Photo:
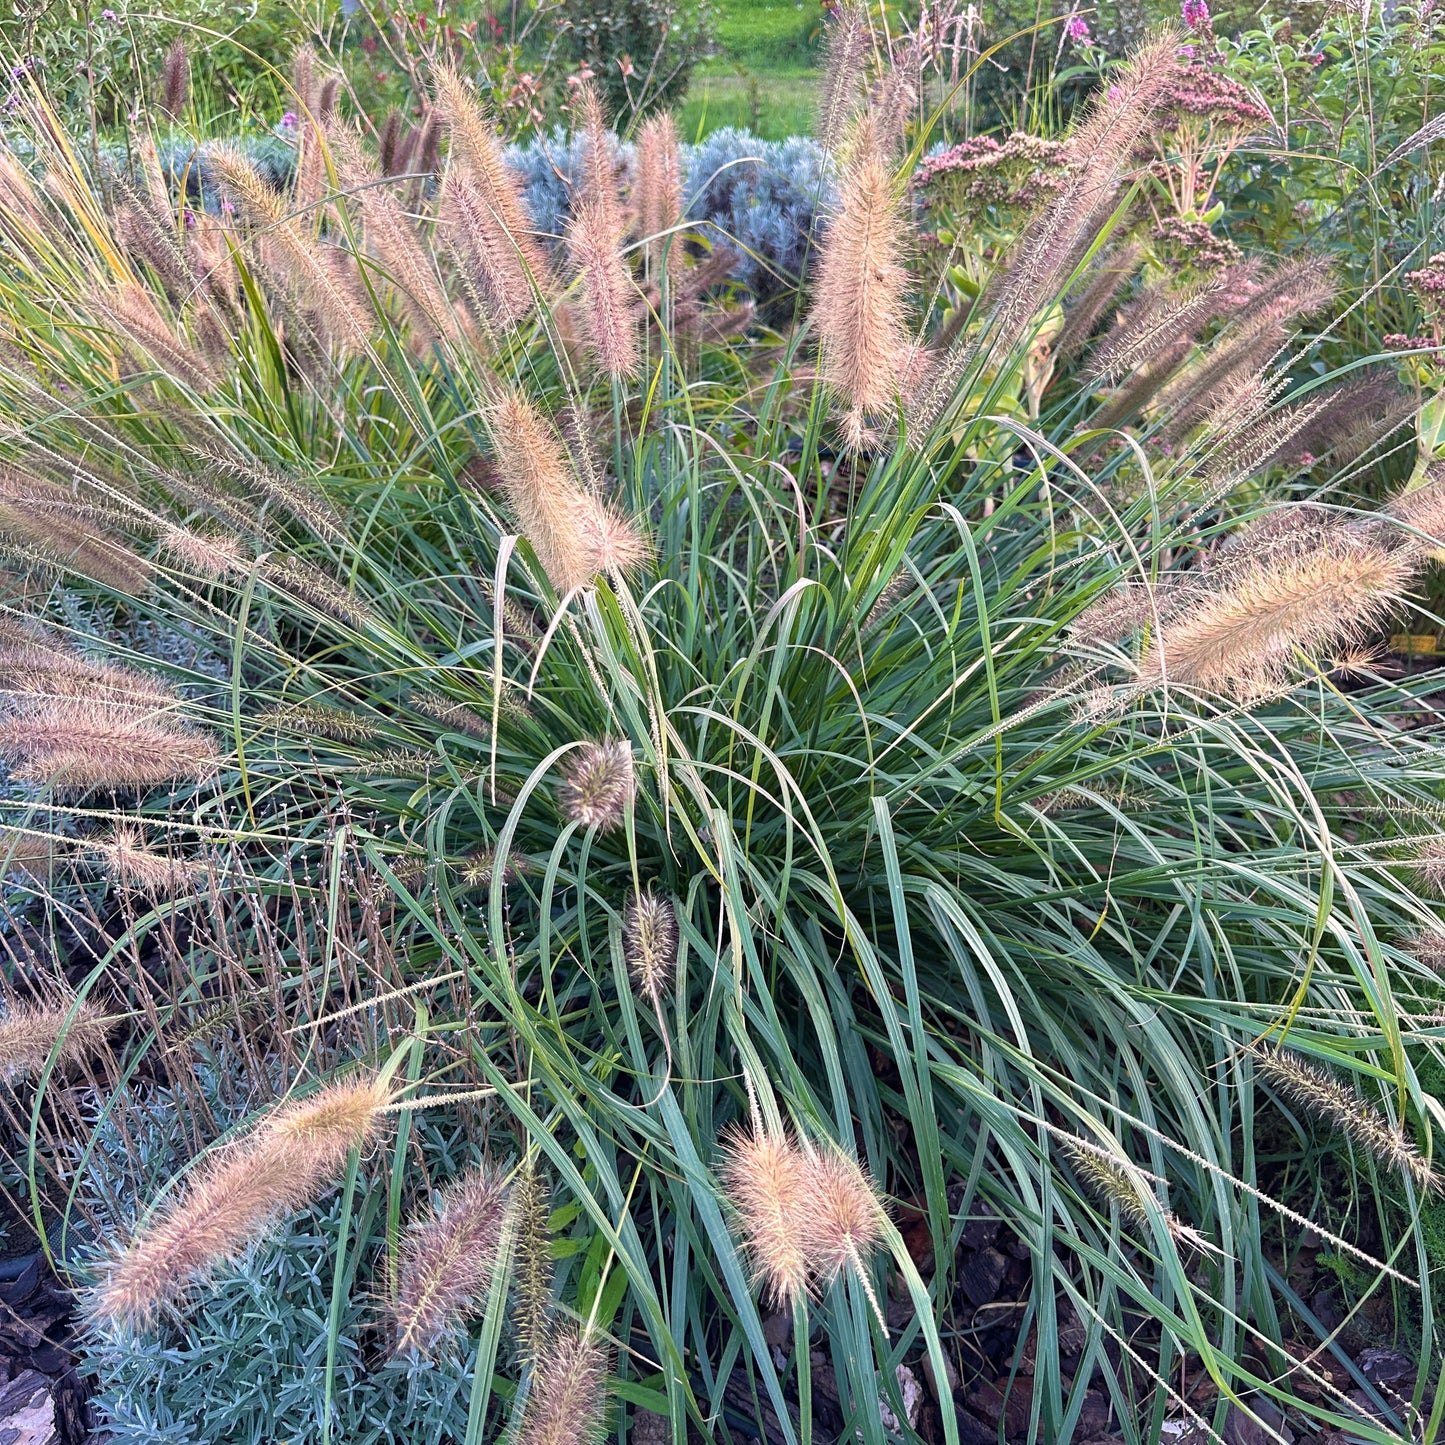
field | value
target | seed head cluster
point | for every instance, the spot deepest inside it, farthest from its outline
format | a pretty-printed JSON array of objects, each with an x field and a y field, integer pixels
[
  {"x": 31, "y": 1033},
  {"x": 805, "y": 1216},
  {"x": 649, "y": 935},
  {"x": 598, "y": 785}
]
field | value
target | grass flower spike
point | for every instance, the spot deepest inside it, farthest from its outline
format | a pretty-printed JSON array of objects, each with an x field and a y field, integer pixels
[
  {"x": 765, "y": 1182},
  {"x": 448, "y": 1258},
  {"x": 235, "y": 1196},
  {"x": 599, "y": 784},
  {"x": 32, "y": 1033}
]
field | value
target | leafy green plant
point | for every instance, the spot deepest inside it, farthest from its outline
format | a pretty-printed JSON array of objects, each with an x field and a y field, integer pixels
[{"x": 860, "y": 762}]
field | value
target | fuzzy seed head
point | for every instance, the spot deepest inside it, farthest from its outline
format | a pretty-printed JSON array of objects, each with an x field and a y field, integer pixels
[
  {"x": 565, "y": 1406},
  {"x": 479, "y": 867},
  {"x": 554, "y": 513},
  {"x": 861, "y": 288},
  {"x": 31, "y": 1033},
  {"x": 134, "y": 864},
  {"x": 1243, "y": 638},
  {"x": 211, "y": 555},
  {"x": 235, "y": 1196},
  {"x": 657, "y": 195},
  {"x": 765, "y": 1180},
  {"x": 599, "y": 784},
  {"x": 649, "y": 936},
  {"x": 28, "y": 855},
  {"x": 73, "y": 743},
  {"x": 842, "y": 1216},
  {"x": 1318, "y": 1093},
  {"x": 448, "y": 1258},
  {"x": 1106, "y": 1180}
]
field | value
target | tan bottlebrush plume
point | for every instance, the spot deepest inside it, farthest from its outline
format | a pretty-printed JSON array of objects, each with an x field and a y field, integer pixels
[
  {"x": 1318, "y": 1093},
  {"x": 894, "y": 100},
  {"x": 321, "y": 591},
  {"x": 315, "y": 720},
  {"x": 565, "y": 1406},
  {"x": 649, "y": 940},
  {"x": 657, "y": 194},
  {"x": 764, "y": 1179},
  {"x": 82, "y": 744},
  {"x": 532, "y": 1272},
  {"x": 1428, "y": 865},
  {"x": 317, "y": 275},
  {"x": 268, "y": 487},
  {"x": 38, "y": 667},
  {"x": 1256, "y": 447},
  {"x": 211, "y": 555},
  {"x": 574, "y": 534},
  {"x": 151, "y": 236},
  {"x": 1421, "y": 510},
  {"x": 594, "y": 248},
  {"x": 598, "y": 785},
  {"x": 482, "y": 207},
  {"x": 1149, "y": 326},
  {"x": 1121, "y": 610},
  {"x": 862, "y": 285},
  {"x": 32, "y": 1033},
  {"x": 1138, "y": 391},
  {"x": 236, "y": 1195},
  {"x": 544, "y": 496},
  {"x": 615, "y": 543},
  {"x": 1208, "y": 389},
  {"x": 175, "y": 85},
  {"x": 1427, "y": 947},
  {"x": 46, "y": 526},
  {"x": 848, "y": 40},
  {"x": 447, "y": 1260},
  {"x": 1246, "y": 636},
  {"x": 129, "y": 309},
  {"x": 392, "y": 238},
  {"x": 134, "y": 864},
  {"x": 26, "y": 854},
  {"x": 842, "y": 1221},
  {"x": 1108, "y": 277},
  {"x": 1360, "y": 413}
]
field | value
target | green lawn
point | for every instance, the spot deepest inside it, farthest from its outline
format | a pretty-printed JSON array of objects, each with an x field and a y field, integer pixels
[{"x": 763, "y": 75}]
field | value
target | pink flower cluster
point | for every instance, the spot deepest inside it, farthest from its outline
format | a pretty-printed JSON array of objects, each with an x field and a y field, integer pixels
[
  {"x": 1203, "y": 93},
  {"x": 1020, "y": 171}
]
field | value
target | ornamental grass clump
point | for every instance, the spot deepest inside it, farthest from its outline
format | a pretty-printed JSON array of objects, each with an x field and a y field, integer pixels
[{"x": 969, "y": 683}]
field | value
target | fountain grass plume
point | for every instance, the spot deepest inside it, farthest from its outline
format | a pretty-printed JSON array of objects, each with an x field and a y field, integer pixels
[
  {"x": 848, "y": 42},
  {"x": 82, "y": 744},
  {"x": 657, "y": 194},
  {"x": 649, "y": 937},
  {"x": 594, "y": 246},
  {"x": 70, "y": 1032},
  {"x": 1245, "y": 636},
  {"x": 130, "y": 859},
  {"x": 235, "y": 1197},
  {"x": 598, "y": 784},
  {"x": 862, "y": 283},
  {"x": 448, "y": 1258},
  {"x": 1322, "y": 1096},
  {"x": 764, "y": 1181},
  {"x": 566, "y": 1403}
]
